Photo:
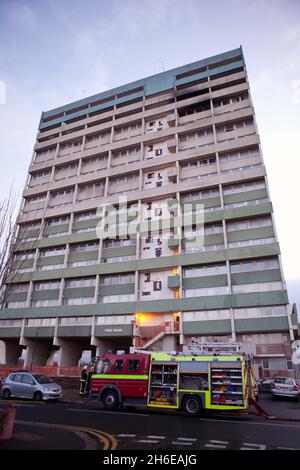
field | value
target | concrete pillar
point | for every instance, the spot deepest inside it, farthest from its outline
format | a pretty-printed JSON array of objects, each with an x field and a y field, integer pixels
[
  {"x": 38, "y": 352},
  {"x": 103, "y": 346},
  {"x": 10, "y": 351},
  {"x": 70, "y": 353}
]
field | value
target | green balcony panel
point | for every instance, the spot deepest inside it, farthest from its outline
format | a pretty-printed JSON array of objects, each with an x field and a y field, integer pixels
[
  {"x": 268, "y": 275},
  {"x": 204, "y": 281},
  {"x": 259, "y": 299},
  {"x": 173, "y": 242},
  {"x": 207, "y": 327},
  {"x": 15, "y": 297},
  {"x": 10, "y": 332},
  {"x": 247, "y": 211},
  {"x": 174, "y": 282},
  {"x": 88, "y": 255},
  {"x": 215, "y": 239},
  {"x": 71, "y": 238},
  {"x": 102, "y": 331},
  {"x": 28, "y": 233},
  {"x": 119, "y": 251},
  {"x": 85, "y": 224},
  {"x": 26, "y": 263},
  {"x": 77, "y": 292},
  {"x": 115, "y": 289},
  {"x": 78, "y": 331},
  {"x": 246, "y": 196},
  {"x": 56, "y": 229},
  {"x": 259, "y": 325},
  {"x": 41, "y": 332},
  {"x": 45, "y": 294},
  {"x": 251, "y": 234},
  {"x": 48, "y": 260}
]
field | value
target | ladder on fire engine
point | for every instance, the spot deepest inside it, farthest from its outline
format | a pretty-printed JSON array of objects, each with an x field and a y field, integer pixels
[{"x": 200, "y": 348}]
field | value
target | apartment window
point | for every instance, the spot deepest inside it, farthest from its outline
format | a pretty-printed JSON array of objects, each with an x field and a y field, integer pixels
[
  {"x": 157, "y": 285},
  {"x": 84, "y": 247},
  {"x": 203, "y": 271},
  {"x": 257, "y": 287},
  {"x": 106, "y": 299},
  {"x": 206, "y": 291},
  {"x": 147, "y": 277},
  {"x": 254, "y": 265},
  {"x": 150, "y": 148},
  {"x": 46, "y": 285},
  {"x": 80, "y": 282},
  {"x": 158, "y": 152},
  {"x": 79, "y": 301},
  {"x": 242, "y": 187},
  {"x": 53, "y": 251},
  {"x": 58, "y": 221}
]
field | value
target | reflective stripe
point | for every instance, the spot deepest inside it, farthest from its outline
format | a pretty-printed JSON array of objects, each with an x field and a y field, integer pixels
[
  {"x": 108, "y": 376},
  {"x": 82, "y": 380}
]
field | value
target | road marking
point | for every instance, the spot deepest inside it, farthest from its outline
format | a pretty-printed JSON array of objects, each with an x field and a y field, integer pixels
[
  {"x": 255, "y": 423},
  {"x": 126, "y": 435},
  {"x": 186, "y": 439},
  {"x": 218, "y": 442},
  {"x": 108, "y": 440},
  {"x": 287, "y": 448},
  {"x": 182, "y": 443},
  {"x": 156, "y": 437},
  {"x": 215, "y": 446},
  {"x": 106, "y": 412},
  {"x": 250, "y": 446},
  {"x": 147, "y": 441}
]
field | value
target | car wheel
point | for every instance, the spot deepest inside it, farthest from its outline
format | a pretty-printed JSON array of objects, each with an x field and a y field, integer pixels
[
  {"x": 6, "y": 394},
  {"x": 38, "y": 396},
  {"x": 192, "y": 406},
  {"x": 110, "y": 400}
]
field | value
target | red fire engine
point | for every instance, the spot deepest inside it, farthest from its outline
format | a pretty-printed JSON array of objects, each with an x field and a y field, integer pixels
[{"x": 174, "y": 381}]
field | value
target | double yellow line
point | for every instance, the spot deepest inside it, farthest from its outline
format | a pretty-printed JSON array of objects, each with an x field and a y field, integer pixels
[{"x": 109, "y": 442}]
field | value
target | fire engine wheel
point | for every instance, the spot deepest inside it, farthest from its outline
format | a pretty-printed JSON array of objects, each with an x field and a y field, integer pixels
[
  {"x": 110, "y": 400},
  {"x": 192, "y": 406}
]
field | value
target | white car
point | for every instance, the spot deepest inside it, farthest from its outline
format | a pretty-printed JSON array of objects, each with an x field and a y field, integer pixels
[
  {"x": 26, "y": 385},
  {"x": 285, "y": 387}
]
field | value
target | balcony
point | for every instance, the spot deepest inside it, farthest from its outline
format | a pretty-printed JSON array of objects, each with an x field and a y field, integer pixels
[
  {"x": 172, "y": 145},
  {"x": 171, "y": 120},
  {"x": 173, "y": 243},
  {"x": 172, "y": 175},
  {"x": 173, "y": 282}
]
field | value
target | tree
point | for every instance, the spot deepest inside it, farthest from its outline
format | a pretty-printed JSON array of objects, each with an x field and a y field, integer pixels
[{"x": 7, "y": 242}]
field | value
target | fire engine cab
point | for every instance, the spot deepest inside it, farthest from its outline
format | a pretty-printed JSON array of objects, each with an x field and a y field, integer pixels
[{"x": 191, "y": 383}]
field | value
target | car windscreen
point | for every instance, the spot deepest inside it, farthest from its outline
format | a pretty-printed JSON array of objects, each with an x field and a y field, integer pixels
[{"x": 42, "y": 379}]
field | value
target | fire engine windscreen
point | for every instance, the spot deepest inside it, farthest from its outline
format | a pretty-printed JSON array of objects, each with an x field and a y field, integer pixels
[{"x": 103, "y": 366}]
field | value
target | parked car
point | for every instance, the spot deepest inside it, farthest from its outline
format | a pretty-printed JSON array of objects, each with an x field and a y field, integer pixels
[
  {"x": 285, "y": 387},
  {"x": 265, "y": 385},
  {"x": 26, "y": 385}
]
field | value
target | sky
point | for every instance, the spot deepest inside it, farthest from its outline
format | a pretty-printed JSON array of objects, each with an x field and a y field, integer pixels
[{"x": 53, "y": 52}]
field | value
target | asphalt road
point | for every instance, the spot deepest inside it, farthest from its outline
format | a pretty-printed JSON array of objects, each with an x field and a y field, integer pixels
[{"x": 134, "y": 429}]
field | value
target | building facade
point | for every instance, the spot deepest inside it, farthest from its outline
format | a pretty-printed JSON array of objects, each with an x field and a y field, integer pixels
[{"x": 183, "y": 137}]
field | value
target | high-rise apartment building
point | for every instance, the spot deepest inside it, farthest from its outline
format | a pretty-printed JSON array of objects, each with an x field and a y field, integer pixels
[{"x": 183, "y": 136}]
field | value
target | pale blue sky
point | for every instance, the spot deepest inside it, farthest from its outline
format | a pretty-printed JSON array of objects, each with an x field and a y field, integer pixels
[{"x": 56, "y": 51}]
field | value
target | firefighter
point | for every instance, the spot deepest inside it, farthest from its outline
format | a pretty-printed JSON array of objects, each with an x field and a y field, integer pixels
[
  {"x": 88, "y": 381},
  {"x": 83, "y": 380}
]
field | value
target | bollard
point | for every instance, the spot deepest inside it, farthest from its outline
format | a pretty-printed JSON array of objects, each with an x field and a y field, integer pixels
[{"x": 7, "y": 419}]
